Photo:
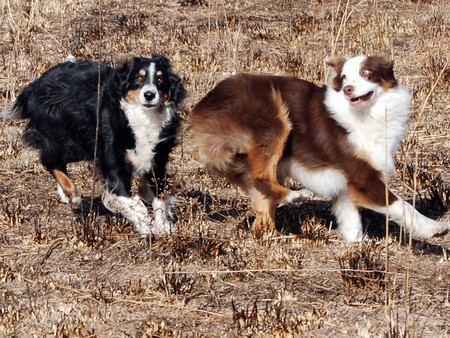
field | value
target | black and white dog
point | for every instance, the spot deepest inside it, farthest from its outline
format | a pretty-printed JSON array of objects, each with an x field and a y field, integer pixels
[{"x": 136, "y": 106}]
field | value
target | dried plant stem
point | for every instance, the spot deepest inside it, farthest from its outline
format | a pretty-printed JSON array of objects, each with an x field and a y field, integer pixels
[
  {"x": 424, "y": 104},
  {"x": 97, "y": 112}
]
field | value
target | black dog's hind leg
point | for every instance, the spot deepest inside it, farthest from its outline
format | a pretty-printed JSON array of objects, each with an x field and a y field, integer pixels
[{"x": 65, "y": 187}]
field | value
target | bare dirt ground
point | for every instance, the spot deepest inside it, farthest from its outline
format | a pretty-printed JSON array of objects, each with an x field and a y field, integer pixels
[{"x": 64, "y": 274}]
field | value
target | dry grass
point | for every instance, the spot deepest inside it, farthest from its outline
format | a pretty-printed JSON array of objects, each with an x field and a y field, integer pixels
[{"x": 67, "y": 273}]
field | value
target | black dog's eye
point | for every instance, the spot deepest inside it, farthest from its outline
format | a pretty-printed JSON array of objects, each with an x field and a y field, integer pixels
[
  {"x": 159, "y": 77},
  {"x": 139, "y": 78}
]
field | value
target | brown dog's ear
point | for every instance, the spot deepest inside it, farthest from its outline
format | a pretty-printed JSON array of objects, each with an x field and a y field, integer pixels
[
  {"x": 336, "y": 62},
  {"x": 382, "y": 71}
]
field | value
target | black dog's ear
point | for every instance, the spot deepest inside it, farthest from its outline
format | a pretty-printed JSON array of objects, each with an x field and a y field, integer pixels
[
  {"x": 177, "y": 90},
  {"x": 126, "y": 67}
]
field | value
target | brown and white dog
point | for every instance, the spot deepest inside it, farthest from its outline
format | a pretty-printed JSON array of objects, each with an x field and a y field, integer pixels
[{"x": 338, "y": 141}]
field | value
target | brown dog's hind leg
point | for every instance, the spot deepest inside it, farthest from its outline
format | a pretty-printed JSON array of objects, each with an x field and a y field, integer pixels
[
  {"x": 263, "y": 155},
  {"x": 266, "y": 150}
]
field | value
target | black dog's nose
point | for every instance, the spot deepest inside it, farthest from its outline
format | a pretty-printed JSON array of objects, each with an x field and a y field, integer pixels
[{"x": 149, "y": 96}]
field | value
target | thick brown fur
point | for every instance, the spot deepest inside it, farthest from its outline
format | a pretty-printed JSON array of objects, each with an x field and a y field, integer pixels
[
  {"x": 256, "y": 130},
  {"x": 245, "y": 142}
]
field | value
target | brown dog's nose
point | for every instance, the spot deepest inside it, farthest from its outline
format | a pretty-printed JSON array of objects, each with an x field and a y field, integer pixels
[{"x": 348, "y": 90}]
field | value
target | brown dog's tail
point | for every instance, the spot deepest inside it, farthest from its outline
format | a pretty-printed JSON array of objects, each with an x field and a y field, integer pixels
[{"x": 222, "y": 152}]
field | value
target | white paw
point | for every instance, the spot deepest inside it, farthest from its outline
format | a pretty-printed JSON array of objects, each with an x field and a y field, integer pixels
[
  {"x": 162, "y": 218},
  {"x": 298, "y": 194},
  {"x": 143, "y": 228},
  {"x": 62, "y": 195},
  {"x": 162, "y": 226},
  {"x": 132, "y": 208},
  {"x": 76, "y": 200},
  {"x": 351, "y": 234},
  {"x": 306, "y": 194},
  {"x": 430, "y": 228},
  {"x": 64, "y": 198}
]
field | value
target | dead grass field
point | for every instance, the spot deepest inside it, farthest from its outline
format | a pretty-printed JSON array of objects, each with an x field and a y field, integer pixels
[{"x": 64, "y": 274}]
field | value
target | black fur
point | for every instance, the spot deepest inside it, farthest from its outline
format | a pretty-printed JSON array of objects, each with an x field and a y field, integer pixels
[{"x": 62, "y": 107}]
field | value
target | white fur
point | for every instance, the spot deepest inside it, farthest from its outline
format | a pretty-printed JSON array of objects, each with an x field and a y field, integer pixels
[
  {"x": 161, "y": 211},
  {"x": 324, "y": 182},
  {"x": 64, "y": 198},
  {"x": 131, "y": 208},
  {"x": 61, "y": 194},
  {"x": 376, "y": 127},
  {"x": 331, "y": 183},
  {"x": 71, "y": 58},
  {"x": 421, "y": 227},
  {"x": 146, "y": 124},
  {"x": 293, "y": 195},
  {"x": 348, "y": 219},
  {"x": 150, "y": 87},
  {"x": 146, "y": 119}
]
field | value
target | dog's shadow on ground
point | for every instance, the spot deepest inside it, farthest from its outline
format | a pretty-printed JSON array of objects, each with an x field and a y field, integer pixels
[
  {"x": 89, "y": 206},
  {"x": 294, "y": 219}
]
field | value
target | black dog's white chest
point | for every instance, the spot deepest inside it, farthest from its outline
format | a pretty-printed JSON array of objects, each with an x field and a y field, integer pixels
[{"x": 146, "y": 125}]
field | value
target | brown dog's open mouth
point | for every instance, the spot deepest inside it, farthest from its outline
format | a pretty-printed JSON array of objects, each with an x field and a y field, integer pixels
[{"x": 357, "y": 101}]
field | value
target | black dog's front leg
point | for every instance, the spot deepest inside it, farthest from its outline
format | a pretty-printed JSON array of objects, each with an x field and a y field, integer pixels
[
  {"x": 152, "y": 189},
  {"x": 117, "y": 196}
]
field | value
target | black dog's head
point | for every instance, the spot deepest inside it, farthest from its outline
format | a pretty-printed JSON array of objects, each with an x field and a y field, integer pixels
[{"x": 150, "y": 82}]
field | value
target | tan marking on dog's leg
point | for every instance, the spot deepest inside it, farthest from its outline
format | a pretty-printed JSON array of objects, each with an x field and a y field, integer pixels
[
  {"x": 67, "y": 186},
  {"x": 265, "y": 152},
  {"x": 263, "y": 169}
]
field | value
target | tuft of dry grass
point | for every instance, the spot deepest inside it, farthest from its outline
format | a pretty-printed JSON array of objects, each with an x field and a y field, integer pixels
[{"x": 84, "y": 273}]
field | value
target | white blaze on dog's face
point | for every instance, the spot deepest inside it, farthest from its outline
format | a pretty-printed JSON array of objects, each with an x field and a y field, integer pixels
[
  {"x": 148, "y": 85},
  {"x": 362, "y": 78},
  {"x": 149, "y": 95}
]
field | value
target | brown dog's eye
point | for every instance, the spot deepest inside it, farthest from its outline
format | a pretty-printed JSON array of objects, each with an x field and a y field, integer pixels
[
  {"x": 343, "y": 77},
  {"x": 366, "y": 73}
]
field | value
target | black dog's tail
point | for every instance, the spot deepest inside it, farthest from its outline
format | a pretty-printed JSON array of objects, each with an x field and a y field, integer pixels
[
  {"x": 19, "y": 109},
  {"x": 11, "y": 113}
]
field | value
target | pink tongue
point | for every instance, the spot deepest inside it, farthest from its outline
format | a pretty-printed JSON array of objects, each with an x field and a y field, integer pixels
[{"x": 356, "y": 103}]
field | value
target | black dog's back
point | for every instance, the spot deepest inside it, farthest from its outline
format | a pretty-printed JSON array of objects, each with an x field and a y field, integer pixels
[{"x": 62, "y": 109}]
